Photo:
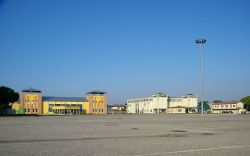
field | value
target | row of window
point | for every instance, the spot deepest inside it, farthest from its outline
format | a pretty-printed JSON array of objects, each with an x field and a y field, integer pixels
[
  {"x": 149, "y": 111},
  {"x": 98, "y": 101},
  {"x": 98, "y": 105},
  {"x": 79, "y": 105},
  {"x": 27, "y": 98},
  {"x": 145, "y": 104},
  {"x": 31, "y": 110},
  {"x": 224, "y": 106},
  {"x": 30, "y": 101},
  {"x": 97, "y": 110},
  {"x": 30, "y": 106},
  {"x": 176, "y": 100},
  {"x": 140, "y": 100}
]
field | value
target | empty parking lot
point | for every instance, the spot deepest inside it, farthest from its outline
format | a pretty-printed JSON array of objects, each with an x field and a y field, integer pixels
[{"x": 131, "y": 135}]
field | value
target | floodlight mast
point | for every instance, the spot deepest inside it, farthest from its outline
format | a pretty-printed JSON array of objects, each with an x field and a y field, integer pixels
[{"x": 200, "y": 42}]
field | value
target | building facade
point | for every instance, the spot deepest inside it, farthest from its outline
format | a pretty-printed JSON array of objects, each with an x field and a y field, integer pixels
[
  {"x": 97, "y": 102},
  {"x": 156, "y": 103},
  {"x": 177, "y": 110},
  {"x": 31, "y": 101},
  {"x": 228, "y": 107},
  {"x": 160, "y": 103},
  {"x": 64, "y": 105},
  {"x": 188, "y": 102}
]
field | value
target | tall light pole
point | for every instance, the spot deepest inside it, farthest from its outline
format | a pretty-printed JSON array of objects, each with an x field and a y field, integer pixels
[{"x": 200, "y": 42}]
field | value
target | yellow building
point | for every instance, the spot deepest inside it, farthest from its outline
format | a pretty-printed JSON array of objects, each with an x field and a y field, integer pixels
[
  {"x": 97, "y": 102},
  {"x": 31, "y": 101},
  {"x": 64, "y": 105}
]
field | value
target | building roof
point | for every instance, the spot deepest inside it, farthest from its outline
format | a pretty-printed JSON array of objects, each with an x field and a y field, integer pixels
[
  {"x": 96, "y": 92},
  {"x": 223, "y": 103},
  {"x": 159, "y": 95},
  {"x": 31, "y": 90},
  {"x": 67, "y": 99},
  {"x": 189, "y": 96}
]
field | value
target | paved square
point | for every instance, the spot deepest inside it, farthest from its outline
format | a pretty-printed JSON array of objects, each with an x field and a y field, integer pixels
[{"x": 130, "y": 135}]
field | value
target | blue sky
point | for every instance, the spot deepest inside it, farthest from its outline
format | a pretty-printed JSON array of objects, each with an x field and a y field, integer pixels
[{"x": 128, "y": 48}]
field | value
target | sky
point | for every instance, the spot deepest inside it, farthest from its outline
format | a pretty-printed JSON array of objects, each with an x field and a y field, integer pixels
[{"x": 128, "y": 48}]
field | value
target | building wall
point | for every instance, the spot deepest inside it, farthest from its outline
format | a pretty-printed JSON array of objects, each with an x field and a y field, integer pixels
[
  {"x": 159, "y": 101},
  {"x": 48, "y": 106},
  {"x": 177, "y": 110},
  {"x": 31, "y": 102},
  {"x": 183, "y": 102},
  {"x": 147, "y": 105},
  {"x": 234, "y": 111},
  {"x": 230, "y": 107},
  {"x": 97, "y": 104}
]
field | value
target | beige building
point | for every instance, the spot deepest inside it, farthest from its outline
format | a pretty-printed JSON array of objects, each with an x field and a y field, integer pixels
[
  {"x": 177, "y": 110},
  {"x": 228, "y": 107},
  {"x": 97, "y": 103},
  {"x": 184, "y": 104},
  {"x": 162, "y": 103},
  {"x": 31, "y": 101},
  {"x": 157, "y": 103}
]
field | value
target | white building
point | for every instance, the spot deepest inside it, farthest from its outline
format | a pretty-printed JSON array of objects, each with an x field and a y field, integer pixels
[
  {"x": 162, "y": 103},
  {"x": 185, "y": 101},
  {"x": 228, "y": 107},
  {"x": 184, "y": 104},
  {"x": 154, "y": 104}
]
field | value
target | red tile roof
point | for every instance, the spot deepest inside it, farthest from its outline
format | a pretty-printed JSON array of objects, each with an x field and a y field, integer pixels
[{"x": 223, "y": 103}]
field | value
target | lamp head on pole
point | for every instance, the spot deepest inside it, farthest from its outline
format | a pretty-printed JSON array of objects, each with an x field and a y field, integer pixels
[{"x": 200, "y": 41}]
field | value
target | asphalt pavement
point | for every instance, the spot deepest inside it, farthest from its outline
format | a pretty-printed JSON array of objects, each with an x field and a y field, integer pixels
[{"x": 126, "y": 135}]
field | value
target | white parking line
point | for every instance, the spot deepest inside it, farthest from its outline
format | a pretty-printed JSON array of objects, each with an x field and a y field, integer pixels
[{"x": 194, "y": 150}]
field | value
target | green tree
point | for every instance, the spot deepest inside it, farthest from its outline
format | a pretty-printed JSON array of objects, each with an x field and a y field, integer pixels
[
  {"x": 206, "y": 106},
  {"x": 7, "y": 95},
  {"x": 246, "y": 102}
]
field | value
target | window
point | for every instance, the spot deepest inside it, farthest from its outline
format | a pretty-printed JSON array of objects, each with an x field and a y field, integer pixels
[
  {"x": 179, "y": 110},
  {"x": 50, "y": 107}
]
